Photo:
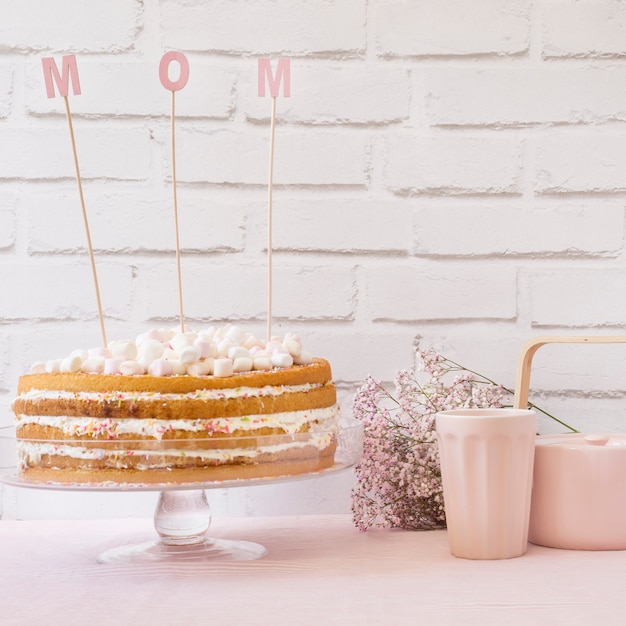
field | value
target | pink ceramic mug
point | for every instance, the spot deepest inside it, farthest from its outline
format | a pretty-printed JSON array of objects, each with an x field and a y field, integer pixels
[{"x": 487, "y": 470}]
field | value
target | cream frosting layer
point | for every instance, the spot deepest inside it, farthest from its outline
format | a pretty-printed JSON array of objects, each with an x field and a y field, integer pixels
[
  {"x": 291, "y": 422},
  {"x": 30, "y": 453},
  {"x": 200, "y": 394}
]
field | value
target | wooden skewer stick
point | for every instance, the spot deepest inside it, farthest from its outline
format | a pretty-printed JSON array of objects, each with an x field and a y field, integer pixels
[
  {"x": 269, "y": 221},
  {"x": 174, "y": 86},
  {"x": 265, "y": 71},
  {"x": 180, "y": 279},
  {"x": 82, "y": 204}
]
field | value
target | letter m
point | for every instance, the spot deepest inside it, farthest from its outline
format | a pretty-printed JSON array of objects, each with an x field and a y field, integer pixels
[
  {"x": 69, "y": 73},
  {"x": 283, "y": 70}
]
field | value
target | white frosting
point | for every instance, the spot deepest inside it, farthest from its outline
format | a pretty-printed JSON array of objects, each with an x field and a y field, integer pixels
[
  {"x": 199, "y": 394},
  {"x": 30, "y": 453},
  {"x": 291, "y": 422}
]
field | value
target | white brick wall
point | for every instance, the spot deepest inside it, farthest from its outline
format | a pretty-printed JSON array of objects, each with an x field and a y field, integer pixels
[{"x": 446, "y": 172}]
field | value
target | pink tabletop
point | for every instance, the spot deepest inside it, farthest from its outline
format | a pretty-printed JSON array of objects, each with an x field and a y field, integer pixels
[{"x": 318, "y": 570}]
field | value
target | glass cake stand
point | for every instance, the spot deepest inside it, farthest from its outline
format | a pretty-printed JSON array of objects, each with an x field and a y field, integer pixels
[{"x": 183, "y": 516}]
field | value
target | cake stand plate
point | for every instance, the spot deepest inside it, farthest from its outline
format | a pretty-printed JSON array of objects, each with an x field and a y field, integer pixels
[{"x": 182, "y": 516}]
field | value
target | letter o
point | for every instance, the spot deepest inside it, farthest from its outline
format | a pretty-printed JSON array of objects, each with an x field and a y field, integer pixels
[{"x": 164, "y": 66}]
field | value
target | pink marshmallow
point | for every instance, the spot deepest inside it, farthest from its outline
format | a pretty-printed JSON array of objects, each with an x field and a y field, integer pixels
[{"x": 161, "y": 367}]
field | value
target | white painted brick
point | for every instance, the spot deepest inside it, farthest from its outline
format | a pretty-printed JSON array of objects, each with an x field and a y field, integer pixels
[
  {"x": 66, "y": 25},
  {"x": 578, "y": 369},
  {"x": 578, "y": 297},
  {"x": 6, "y": 90},
  {"x": 112, "y": 89},
  {"x": 589, "y": 413},
  {"x": 452, "y": 27},
  {"x": 583, "y": 29},
  {"x": 211, "y": 291},
  {"x": 307, "y": 158},
  {"x": 489, "y": 349},
  {"x": 335, "y": 224},
  {"x": 460, "y": 163},
  {"x": 580, "y": 160},
  {"x": 8, "y": 219},
  {"x": 354, "y": 355},
  {"x": 237, "y": 291},
  {"x": 574, "y": 229},
  {"x": 518, "y": 95},
  {"x": 336, "y": 94},
  {"x": 103, "y": 152},
  {"x": 321, "y": 291},
  {"x": 64, "y": 289},
  {"x": 5, "y": 342},
  {"x": 265, "y": 26},
  {"x": 454, "y": 292},
  {"x": 135, "y": 219}
]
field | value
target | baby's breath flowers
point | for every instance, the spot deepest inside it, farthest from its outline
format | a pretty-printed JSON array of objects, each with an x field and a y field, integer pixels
[{"x": 398, "y": 478}]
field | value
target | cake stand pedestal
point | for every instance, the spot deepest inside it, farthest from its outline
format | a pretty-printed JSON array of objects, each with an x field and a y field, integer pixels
[{"x": 182, "y": 519}]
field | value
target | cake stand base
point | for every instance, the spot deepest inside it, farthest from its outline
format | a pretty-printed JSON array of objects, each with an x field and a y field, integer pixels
[
  {"x": 206, "y": 549},
  {"x": 182, "y": 519}
]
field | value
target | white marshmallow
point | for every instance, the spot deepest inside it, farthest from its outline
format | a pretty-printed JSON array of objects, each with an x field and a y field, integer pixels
[
  {"x": 207, "y": 333},
  {"x": 83, "y": 354},
  {"x": 93, "y": 365},
  {"x": 204, "y": 347},
  {"x": 53, "y": 366},
  {"x": 112, "y": 366},
  {"x": 224, "y": 346},
  {"x": 189, "y": 354},
  {"x": 282, "y": 359},
  {"x": 182, "y": 340},
  {"x": 292, "y": 344},
  {"x": 150, "y": 350},
  {"x": 71, "y": 364},
  {"x": 161, "y": 367},
  {"x": 304, "y": 358},
  {"x": 178, "y": 368},
  {"x": 39, "y": 367},
  {"x": 252, "y": 341},
  {"x": 262, "y": 362},
  {"x": 169, "y": 354},
  {"x": 235, "y": 334},
  {"x": 238, "y": 352},
  {"x": 270, "y": 346},
  {"x": 220, "y": 333},
  {"x": 222, "y": 367},
  {"x": 199, "y": 368},
  {"x": 242, "y": 364},
  {"x": 132, "y": 368},
  {"x": 123, "y": 349},
  {"x": 166, "y": 334}
]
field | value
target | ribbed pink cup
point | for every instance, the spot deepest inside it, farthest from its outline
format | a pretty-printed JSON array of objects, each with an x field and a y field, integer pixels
[{"x": 487, "y": 460}]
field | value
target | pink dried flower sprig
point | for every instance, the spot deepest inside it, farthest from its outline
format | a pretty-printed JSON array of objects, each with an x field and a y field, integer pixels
[{"x": 398, "y": 478}]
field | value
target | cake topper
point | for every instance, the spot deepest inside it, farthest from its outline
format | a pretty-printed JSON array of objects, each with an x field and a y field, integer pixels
[
  {"x": 175, "y": 86},
  {"x": 265, "y": 72},
  {"x": 69, "y": 74}
]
